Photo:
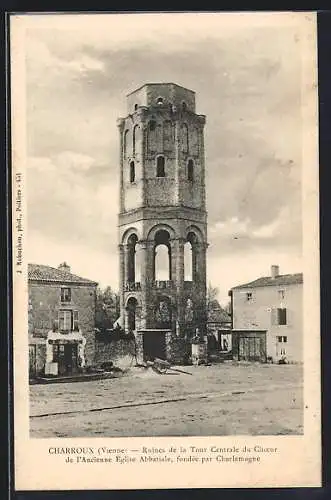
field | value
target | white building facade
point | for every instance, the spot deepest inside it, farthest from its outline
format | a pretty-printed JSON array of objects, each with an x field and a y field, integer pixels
[{"x": 275, "y": 304}]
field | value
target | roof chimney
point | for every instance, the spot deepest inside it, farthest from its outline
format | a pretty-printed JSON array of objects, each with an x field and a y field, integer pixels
[
  {"x": 274, "y": 271},
  {"x": 64, "y": 267}
]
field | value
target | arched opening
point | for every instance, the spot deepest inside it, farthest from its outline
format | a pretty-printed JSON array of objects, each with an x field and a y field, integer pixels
[
  {"x": 135, "y": 107},
  {"x": 125, "y": 143},
  {"x": 159, "y": 100},
  {"x": 160, "y": 166},
  {"x": 131, "y": 312},
  {"x": 190, "y": 258},
  {"x": 163, "y": 313},
  {"x": 190, "y": 170},
  {"x": 131, "y": 256},
  {"x": 188, "y": 261},
  {"x": 162, "y": 256},
  {"x": 184, "y": 106},
  {"x": 132, "y": 172}
]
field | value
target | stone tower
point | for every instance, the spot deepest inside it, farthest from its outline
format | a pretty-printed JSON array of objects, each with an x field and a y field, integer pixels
[{"x": 162, "y": 212}]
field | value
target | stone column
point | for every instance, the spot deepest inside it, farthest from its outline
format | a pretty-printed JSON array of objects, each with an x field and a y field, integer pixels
[
  {"x": 142, "y": 247},
  {"x": 177, "y": 252},
  {"x": 201, "y": 286},
  {"x": 120, "y": 125},
  {"x": 142, "y": 157},
  {"x": 126, "y": 319},
  {"x": 200, "y": 250},
  {"x": 126, "y": 251},
  {"x": 178, "y": 162},
  {"x": 142, "y": 259},
  {"x": 202, "y": 120},
  {"x": 121, "y": 276}
]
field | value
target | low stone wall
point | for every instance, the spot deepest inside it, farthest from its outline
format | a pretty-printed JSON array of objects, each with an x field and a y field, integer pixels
[
  {"x": 176, "y": 350},
  {"x": 179, "y": 351},
  {"x": 120, "y": 352},
  {"x": 37, "y": 358}
]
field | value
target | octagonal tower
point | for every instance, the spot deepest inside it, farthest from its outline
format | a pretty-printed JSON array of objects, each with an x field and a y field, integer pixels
[{"x": 162, "y": 212}]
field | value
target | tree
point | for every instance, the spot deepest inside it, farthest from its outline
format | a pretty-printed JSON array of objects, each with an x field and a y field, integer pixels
[
  {"x": 212, "y": 293},
  {"x": 107, "y": 308},
  {"x": 215, "y": 312}
]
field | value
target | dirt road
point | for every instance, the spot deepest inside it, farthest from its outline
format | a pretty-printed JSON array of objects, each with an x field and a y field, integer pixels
[{"x": 223, "y": 399}]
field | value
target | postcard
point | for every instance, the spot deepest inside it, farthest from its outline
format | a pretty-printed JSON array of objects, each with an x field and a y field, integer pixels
[{"x": 165, "y": 187}]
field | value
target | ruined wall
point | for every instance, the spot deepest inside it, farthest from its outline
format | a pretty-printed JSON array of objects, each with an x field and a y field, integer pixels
[{"x": 120, "y": 352}]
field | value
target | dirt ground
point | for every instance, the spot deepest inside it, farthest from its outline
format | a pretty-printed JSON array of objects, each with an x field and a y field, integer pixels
[{"x": 224, "y": 399}]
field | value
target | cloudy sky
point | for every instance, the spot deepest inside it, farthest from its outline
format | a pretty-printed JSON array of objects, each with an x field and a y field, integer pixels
[{"x": 246, "y": 72}]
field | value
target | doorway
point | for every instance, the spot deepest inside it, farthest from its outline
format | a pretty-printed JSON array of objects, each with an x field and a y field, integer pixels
[
  {"x": 154, "y": 345},
  {"x": 66, "y": 355},
  {"x": 250, "y": 349}
]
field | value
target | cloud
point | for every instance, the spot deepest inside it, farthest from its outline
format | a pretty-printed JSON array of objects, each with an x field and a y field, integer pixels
[
  {"x": 94, "y": 264},
  {"x": 248, "y": 83},
  {"x": 64, "y": 204}
]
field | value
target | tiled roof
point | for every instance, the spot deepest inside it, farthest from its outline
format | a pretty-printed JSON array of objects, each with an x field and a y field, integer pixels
[
  {"x": 281, "y": 280},
  {"x": 216, "y": 314},
  {"x": 39, "y": 272}
]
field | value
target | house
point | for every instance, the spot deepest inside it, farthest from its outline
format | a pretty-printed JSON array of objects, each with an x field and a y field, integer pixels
[
  {"x": 219, "y": 325},
  {"x": 272, "y": 304},
  {"x": 61, "y": 320}
]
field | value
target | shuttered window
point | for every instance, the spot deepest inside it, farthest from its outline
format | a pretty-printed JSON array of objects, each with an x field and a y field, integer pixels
[
  {"x": 65, "y": 294},
  {"x": 68, "y": 320},
  {"x": 76, "y": 323},
  {"x": 281, "y": 316}
]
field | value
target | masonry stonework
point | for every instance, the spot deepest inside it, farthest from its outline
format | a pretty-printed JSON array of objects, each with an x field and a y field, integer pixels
[
  {"x": 257, "y": 305},
  {"x": 162, "y": 204},
  {"x": 46, "y": 305}
]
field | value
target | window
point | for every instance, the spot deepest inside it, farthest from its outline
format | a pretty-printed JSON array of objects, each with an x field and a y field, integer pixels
[
  {"x": 135, "y": 107},
  {"x": 75, "y": 321},
  {"x": 68, "y": 320},
  {"x": 58, "y": 352},
  {"x": 184, "y": 106},
  {"x": 249, "y": 296},
  {"x": 190, "y": 170},
  {"x": 65, "y": 294},
  {"x": 282, "y": 339},
  {"x": 160, "y": 172},
  {"x": 159, "y": 100},
  {"x": 281, "y": 316},
  {"x": 132, "y": 172},
  {"x": 281, "y": 294}
]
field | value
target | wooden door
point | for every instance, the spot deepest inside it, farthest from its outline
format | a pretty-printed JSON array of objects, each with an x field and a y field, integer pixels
[{"x": 154, "y": 345}]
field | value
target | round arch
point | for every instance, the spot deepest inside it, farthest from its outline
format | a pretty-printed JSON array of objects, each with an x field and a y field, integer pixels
[
  {"x": 164, "y": 311},
  {"x": 131, "y": 311},
  {"x": 161, "y": 227},
  {"x": 129, "y": 232},
  {"x": 134, "y": 297},
  {"x": 196, "y": 231}
]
